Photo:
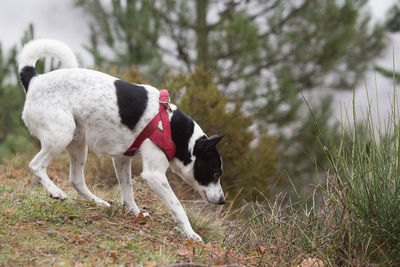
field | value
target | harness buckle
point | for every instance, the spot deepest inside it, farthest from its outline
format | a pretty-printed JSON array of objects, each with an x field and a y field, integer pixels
[
  {"x": 165, "y": 102},
  {"x": 164, "y": 99}
]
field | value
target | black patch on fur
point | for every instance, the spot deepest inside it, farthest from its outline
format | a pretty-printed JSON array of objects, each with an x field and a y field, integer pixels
[
  {"x": 182, "y": 127},
  {"x": 132, "y": 101},
  {"x": 207, "y": 166},
  {"x": 26, "y": 74}
]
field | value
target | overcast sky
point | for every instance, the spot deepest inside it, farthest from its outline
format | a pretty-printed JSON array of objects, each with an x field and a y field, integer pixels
[
  {"x": 52, "y": 19},
  {"x": 60, "y": 20}
]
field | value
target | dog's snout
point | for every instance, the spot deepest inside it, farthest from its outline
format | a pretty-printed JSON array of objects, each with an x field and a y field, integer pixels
[{"x": 221, "y": 200}]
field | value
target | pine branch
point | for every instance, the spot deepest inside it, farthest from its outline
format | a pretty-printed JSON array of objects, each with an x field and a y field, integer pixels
[{"x": 388, "y": 73}]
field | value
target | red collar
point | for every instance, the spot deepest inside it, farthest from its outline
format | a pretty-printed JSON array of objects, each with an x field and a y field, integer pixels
[{"x": 162, "y": 138}]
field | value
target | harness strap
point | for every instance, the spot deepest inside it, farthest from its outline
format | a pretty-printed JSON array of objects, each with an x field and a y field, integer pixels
[{"x": 161, "y": 138}]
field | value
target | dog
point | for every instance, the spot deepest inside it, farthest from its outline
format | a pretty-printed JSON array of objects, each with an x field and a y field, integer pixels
[{"x": 74, "y": 109}]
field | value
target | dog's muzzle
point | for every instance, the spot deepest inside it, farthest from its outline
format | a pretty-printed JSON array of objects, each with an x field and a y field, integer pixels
[{"x": 220, "y": 201}]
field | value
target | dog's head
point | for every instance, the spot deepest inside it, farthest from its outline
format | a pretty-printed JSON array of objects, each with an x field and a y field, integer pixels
[
  {"x": 207, "y": 169},
  {"x": 197, "y": 160}
]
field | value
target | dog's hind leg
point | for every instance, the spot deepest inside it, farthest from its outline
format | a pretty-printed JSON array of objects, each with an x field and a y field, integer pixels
[
  {"x": 54, "y": 137},
  {"x": 122, "y": 166},
  {"x": 155, "y": 165},
  {"x": 54, "y": 127},
  {"x": 39, "y": 164},
  {"x": 77, "y": 151}
]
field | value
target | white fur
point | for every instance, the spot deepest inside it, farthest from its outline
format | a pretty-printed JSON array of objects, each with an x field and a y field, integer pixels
[
  {"x": 39, "y": 48},
  {"x": 74, "y": 109}
]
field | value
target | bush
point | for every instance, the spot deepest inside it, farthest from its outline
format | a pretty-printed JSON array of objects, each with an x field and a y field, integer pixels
[{"x": 245, "y": 167}]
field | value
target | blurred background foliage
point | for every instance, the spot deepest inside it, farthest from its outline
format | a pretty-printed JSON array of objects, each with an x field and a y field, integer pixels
[
  {"x": 14, "y": 137},
  {"x": 237, "y": 67},
  {"x": 245, "y": 166}
]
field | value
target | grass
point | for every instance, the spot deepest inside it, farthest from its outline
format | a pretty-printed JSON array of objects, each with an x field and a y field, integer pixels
[
  {"x": 38, "y": 230},
  {"x": 352, "y": 218},
  {"x": 365, "y": 181}
]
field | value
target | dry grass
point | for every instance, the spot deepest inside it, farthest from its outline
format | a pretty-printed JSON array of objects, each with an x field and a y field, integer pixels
[{"x": 38, "y": 230}]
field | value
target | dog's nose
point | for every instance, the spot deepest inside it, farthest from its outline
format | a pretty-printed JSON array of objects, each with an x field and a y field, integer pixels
[{"x": 221, "y": 200}]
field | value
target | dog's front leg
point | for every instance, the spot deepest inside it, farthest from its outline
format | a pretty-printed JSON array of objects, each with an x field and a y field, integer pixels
[
  {"x": 122, "y": 166},
  {"x": 155, "y": 164}
]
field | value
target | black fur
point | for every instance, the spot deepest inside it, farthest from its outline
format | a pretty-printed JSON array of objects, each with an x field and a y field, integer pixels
[
  {"x": 132, "y": 101},
  {"x": 26, "y": 74},
  {"x": 207, "y": 166},
  {"x": 182, "y": 127}
]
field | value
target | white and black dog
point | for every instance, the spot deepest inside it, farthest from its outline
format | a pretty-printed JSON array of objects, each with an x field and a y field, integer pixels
[{"x": 75, "y": 108}]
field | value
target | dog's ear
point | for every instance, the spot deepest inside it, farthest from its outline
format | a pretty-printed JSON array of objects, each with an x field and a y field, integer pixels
[
  {"x": 214, "y": 140},
  {"x": 204, "y": 145},
  {"x": 211, "y": 142}
]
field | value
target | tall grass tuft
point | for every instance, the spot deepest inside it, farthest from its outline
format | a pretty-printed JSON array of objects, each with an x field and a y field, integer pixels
[
  {"x": 365, "y": 181},
  {"x": 352, "y": 218}
]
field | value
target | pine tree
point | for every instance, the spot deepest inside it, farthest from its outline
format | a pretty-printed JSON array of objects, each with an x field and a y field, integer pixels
[
  {"x": 129, "y": 31},
  {"x": 393, "y": 20},
  {"x": 392, "y": 25},
  {"x": 14, "y": 137},
  {"x": 260, "y": 51}
]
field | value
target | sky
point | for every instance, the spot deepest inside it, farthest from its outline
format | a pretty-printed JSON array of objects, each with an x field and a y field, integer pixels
[
  {"x": 60, "y": 20},
  {"x": 52, "y": 19},
  {"x": 379, "y": 7}
]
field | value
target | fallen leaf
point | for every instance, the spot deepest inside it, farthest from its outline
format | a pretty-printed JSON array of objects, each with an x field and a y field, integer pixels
[
  {"x": 189, "y": 242},
  {"x": 113, "y": 254},
  {"x": 141, "y": 219},
  {"x": 77, "y": 240},
  {"x": 16, "y": 245},
  {"x": 312, "y": 262},
  {"x": 260, "y": 250},
  {"x": 219, "y": 262},
  {"x": 185, "y": 252}
]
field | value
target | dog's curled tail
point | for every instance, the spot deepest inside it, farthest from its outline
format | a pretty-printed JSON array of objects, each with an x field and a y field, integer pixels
[{"x": 39, "y": 48}]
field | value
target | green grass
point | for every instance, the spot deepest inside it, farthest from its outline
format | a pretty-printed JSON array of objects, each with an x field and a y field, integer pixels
[
  {"x": 38, "y": 230},
  {"x": 365, "y": 181},
  {"x": 352, "y": 217}
]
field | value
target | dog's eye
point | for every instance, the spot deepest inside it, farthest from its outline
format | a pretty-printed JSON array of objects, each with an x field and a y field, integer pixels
[{"x": 217, "y": 175}]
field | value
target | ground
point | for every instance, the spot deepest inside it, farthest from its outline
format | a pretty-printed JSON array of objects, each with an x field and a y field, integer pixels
[{"x": 38, "y": 230}]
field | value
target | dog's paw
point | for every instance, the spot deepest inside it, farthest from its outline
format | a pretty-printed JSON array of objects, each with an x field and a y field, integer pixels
[
  {"x": 101, "y": 202},
  {"x": 133, "y": 211},
  {"x": 194, "y": 236},
  {"x": 145, "y": 214},
  {"x": 58, "y": 194}
]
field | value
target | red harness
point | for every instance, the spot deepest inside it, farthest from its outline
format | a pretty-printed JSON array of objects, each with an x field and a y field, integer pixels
[{"x": 162, "y": 138}]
